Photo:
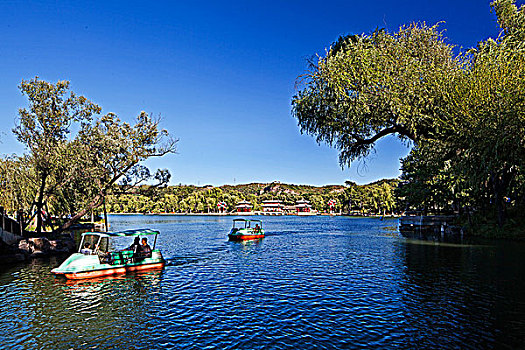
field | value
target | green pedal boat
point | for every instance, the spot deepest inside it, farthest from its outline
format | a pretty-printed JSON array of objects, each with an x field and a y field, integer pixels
[{"x": 97, "y": 258}]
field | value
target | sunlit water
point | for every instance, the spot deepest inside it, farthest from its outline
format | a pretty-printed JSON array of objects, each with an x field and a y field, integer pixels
[{"x": 312, "y": 283}]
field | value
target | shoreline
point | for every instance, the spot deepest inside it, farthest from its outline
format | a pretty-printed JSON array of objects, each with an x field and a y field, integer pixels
[
  {"x": 254, "y": 214},
  {"x": 257, "y": 214}
]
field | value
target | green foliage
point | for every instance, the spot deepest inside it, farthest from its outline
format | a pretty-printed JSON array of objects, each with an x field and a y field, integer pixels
[
  {"x": 15, "y": 176},
  {"x": 464, "y": 113},
  {"x": 369, "y": 86},
  {"x": 511, "y": 19},
  {"x": 70, "y": 173},
  {"x": 376, "y": 198}
]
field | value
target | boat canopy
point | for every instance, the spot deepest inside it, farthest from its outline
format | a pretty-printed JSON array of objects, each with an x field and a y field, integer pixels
[
  {"x": 247, "y": 223},
  {"x": 247, "y": 220},
  {"x": 126, "y": 233}
]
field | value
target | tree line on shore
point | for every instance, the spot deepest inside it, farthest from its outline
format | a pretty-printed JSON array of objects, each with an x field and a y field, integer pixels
[{"x": 375, "y": 198}]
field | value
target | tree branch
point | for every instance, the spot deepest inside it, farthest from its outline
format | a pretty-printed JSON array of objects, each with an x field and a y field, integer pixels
[{"x": 387, "y": 131}]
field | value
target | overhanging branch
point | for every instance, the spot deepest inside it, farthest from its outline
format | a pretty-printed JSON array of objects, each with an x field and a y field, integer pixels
[{"x": 387, "y": 131}]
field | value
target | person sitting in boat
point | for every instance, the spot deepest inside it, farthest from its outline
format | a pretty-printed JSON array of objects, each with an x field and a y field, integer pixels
[
  {"x": 135, "y": 247},
  {"x": 146, "y": 249},
  {"x": 257, "y": 228},
  {"x": 87, "y": 249}
]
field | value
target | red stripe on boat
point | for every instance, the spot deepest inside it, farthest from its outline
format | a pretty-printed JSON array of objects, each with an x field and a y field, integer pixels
[
  {"x": 115, "y": 271},
  {"x": 244, "y": 237}
]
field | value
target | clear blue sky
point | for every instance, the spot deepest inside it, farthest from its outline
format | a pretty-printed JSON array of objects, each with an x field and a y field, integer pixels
[{"x": 221, "y": 74}]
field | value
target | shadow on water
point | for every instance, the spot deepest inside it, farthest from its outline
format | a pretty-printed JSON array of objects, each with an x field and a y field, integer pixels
[
  {"x": 184, "y": 260},
  {"x": 141, "y": 277},
  {"x": 470, "y": 289},
  {"x": 450, "y": 244},
  {"x": 246, "y": 245}
]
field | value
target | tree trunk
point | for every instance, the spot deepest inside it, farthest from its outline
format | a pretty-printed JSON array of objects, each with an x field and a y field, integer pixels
[
  {"x": 500, "y": 186},
  {"x": 106, "y": 226},
  {"x": 498, "y": 197},
  {"x": 95, "y": 203},
  {"x": 39, "y": 204}
]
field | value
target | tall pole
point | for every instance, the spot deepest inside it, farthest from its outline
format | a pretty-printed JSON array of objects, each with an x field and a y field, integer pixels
[
  {"x": 3, "y": 217},
  {"x": 20, "y": 219},
  {"x": 105, "y": 215}
]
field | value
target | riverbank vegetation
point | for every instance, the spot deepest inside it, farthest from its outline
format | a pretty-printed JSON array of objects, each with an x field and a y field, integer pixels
[
  {"x": 372, "y": 199},
  {"x": 462, "y": 111}
]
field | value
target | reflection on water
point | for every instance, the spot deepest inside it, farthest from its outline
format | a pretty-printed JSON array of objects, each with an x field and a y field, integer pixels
[
  {"x": 42, "y": 311},
  {"x": 313, "y": 282},
  {"x": 472, "y": 290}
]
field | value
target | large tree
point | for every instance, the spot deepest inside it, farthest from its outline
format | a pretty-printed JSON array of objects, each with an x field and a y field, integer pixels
[
  {"x": 44, "y": 128},
  {"x": 370, "y": 86},
  {"x": 113, "y": 151},
  {"x": 75, "y": 156},
  {"x": 464, "y": 113},
  {"x": 489, "y": 137}
]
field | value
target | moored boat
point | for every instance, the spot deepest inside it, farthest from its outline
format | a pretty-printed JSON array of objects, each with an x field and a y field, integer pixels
[
  {"x": 244, "y": 229},
  {"x": 97, "y": 258}
]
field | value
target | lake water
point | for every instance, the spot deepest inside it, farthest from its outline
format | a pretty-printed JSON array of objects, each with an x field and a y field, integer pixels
[{"x": 311, "y": 283}]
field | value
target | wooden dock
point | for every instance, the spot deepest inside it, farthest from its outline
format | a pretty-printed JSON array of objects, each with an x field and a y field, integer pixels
[
  {"x": 428, "y": 226},
  {"x": 11, "y": 230}
]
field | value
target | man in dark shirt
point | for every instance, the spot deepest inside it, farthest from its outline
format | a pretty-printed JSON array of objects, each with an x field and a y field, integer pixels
[
  {"x": 135, "y": 247},
  {"x": 146, "y": 249}
]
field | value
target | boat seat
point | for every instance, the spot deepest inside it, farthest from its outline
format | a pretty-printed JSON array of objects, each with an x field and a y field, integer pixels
[
  {"x": 104, "y": 258},
  {"x": 127, "y": 256},
  {"x": 115, "y": 258}
]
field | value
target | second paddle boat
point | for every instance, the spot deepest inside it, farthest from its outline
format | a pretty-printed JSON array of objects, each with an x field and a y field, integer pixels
[{"x": 244, "y": 229}]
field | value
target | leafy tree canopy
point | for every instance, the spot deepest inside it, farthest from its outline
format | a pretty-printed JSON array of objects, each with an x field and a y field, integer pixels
[
  {"x": 464, "y": 112},
  {"x": 369, "y": 86},
  {"x": 72, "y": 172}
]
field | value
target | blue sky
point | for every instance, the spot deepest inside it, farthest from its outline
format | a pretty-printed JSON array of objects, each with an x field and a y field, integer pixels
[{"x": 220, "y": 74}]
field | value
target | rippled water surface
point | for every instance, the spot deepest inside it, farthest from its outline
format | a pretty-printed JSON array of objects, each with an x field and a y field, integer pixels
[{"x": 312, "y": 283}]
